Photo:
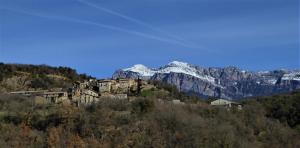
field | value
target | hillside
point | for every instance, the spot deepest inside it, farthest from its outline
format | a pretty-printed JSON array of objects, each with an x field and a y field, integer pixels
[
  {"x": 148, "y": 122},
  {"x": 14, "y": 77}
]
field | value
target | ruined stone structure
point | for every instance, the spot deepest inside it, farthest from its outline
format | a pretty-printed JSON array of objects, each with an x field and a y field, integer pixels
[
  {"x": 51, "y": 97},
  {"x": 105, "y": 86},
  {"x": 87, "y": 92},
  {"x": 91, "y": 91},
  {"x": 118, "y": 86},
  {"x": 85, "y": 97},
  {"x": 82, "y": 93}
]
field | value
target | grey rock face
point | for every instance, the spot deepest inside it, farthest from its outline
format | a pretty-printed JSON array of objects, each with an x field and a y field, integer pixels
[
  {"x": 128, "y": 74},
  {"x": 229, "y": 82}
]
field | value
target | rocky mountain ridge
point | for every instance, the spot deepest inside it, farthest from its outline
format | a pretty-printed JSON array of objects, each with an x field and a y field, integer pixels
[{"x": 229, "y": 82}]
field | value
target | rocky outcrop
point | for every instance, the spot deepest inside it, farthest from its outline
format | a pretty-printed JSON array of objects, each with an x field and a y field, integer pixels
[
  {"x": 128, "y": 74},
  {"x": 228, "y": 82}
]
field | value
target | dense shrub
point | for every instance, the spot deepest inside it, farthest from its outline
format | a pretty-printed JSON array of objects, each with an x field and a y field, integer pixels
[
  {"x": 143, "y": 122},
  {"x": 285, "y": 108},
  {"x": 140, "y": 106}
]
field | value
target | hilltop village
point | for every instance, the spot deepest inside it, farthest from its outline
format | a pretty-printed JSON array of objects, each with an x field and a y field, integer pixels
[
  {"x": 89, "y": 91},
  {"x": 93, "y": 90}
]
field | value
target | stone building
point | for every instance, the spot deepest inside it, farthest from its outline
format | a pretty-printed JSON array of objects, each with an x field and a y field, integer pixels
[
  {"x": 226, "y": 103},
  {"x": 124, "y": 86},
  {"x": 51, "y": 97},
  {"x": 88, "y": 97},
  {"x": 105, "y": 86},
  {"x": 221, "y": 102},
  {"x": 118, "y": 86},
  {"x": 55, "y": 97},
  {"x": 83, "y": 94},
  {"x": 80, "y": 85}
]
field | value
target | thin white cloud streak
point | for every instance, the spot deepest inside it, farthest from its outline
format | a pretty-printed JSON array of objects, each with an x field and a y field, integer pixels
[
  {"x": 139, "y": 22},
  {"x": 110, "y": 27}
]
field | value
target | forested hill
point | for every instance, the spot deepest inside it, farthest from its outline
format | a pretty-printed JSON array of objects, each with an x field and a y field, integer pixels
[
  {"x": 23, "y": 77},
  {"x": 283, "y": 107}
]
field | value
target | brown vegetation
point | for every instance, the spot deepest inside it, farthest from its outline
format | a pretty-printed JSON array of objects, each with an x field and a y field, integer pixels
[{"x": 143, "y": 122}]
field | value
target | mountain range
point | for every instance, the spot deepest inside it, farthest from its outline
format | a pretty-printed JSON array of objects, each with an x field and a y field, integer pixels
[{"x": 228, "y": 82}]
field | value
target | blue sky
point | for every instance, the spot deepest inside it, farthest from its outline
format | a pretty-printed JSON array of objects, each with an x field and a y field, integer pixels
[{"x": 99, "y": 36}]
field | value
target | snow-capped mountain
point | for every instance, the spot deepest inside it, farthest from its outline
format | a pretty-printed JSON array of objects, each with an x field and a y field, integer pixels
[
  {"x": 228, "y": 82},
  {"x": 141, "y": 70},
  {"x": 172, "y": 67}
]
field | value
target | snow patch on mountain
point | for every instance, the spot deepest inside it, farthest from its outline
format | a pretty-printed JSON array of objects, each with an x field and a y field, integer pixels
[
  {"x": 272, "y": 81},
  {"x": 178, "y": 64},
  {"x": 263, "y": 72},
  {"x": 291, "y": 76},
  {"x": 141, "y": 69},
  {"x": 182, "y": 67},
  {"x": 175, "y": 67}
]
